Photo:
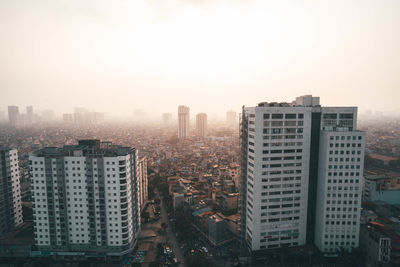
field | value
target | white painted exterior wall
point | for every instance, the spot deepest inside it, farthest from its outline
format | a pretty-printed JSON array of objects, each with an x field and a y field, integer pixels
[
  {"x": 12, "y": 199},
  {"x": 75, "y": 174},
  {"x": 277, "y": 203},
  {"x": 278, "y": 172},
  {"x": 183, "y": 122},
  {"x": 340, "y": 172}
]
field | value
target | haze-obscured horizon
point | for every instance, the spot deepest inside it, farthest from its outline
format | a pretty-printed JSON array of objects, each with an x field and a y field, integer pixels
[{"x": 213, "y": 56}]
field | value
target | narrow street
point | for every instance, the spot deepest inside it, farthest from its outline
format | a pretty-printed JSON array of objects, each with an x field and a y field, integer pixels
[{"x": 170, "y": 234}]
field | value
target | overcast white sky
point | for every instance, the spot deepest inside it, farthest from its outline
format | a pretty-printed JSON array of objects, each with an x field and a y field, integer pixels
[{"x": 212, "y": 55}]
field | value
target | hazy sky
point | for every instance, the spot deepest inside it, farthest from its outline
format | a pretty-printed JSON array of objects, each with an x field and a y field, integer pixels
[{"x": 212, "y": 55}]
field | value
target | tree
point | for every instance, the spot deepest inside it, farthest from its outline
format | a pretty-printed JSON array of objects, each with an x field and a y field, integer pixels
[
  {"x": 198, "y": 261},
  {"x": 41, "y": 263},
  {"x": 368, "y": 161},
  {"x": 164, "y": 226},
  {"x": 183, "y": 223},
  {"x": 394, "y": 164},
  {"x": 234, "y": 253},
  {"x": 146, "y": 216}
]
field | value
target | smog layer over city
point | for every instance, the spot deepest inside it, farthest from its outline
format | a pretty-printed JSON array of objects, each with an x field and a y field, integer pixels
[{"x": 199, "y": 133}]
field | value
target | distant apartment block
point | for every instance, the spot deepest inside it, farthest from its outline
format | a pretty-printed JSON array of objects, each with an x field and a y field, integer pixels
[
  {"x": 183, "y": 122},
  {"x": 13, "y": 114},
  {"x": 10, "y": 191},
  {"x": 84, "y": 118},
  {"x": 68, "y": 118},
  {"x": 17, "y": 119},
  {"x": 86, "y": 199},
  {"x": 29, "y": 110},
  {"x": 201, "y": 124},
  {"x": 301, "y": 175}
]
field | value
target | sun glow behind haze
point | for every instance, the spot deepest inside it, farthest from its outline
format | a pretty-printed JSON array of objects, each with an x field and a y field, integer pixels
[
  {"x": 213, "y": 55},
  {"x": 222, "y": 43}
]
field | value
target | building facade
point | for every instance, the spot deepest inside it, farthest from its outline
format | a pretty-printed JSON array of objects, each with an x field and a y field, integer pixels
[
  {"x": 86, "y": 199},
  {"x": 382, "y": 188},
  {"x": 375, "y": 244},
  {"x": 183, "y": 122},
  {"x": 283, "y": 175},
  {"x": 10, "y": 191},
  {"x": 201, "y": 124},
  {"x": 13, "y": 114},
  {"x": 144, "y": 183},
  {"x": 339, "y": 185}
]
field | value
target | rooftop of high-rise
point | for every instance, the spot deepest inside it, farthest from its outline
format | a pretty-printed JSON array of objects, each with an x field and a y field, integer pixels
[
  {"x": 89, "y": 147},
  {"x": 302, "y": 101}
]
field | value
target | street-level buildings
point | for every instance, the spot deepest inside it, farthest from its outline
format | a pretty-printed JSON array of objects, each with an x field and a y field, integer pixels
[
  {"x": 10, "y": 191},
  {"x": 301, "y": 175},
  {"x": 375, "y": 244},
  {"x": 382, "y": 188},
  {"x": 86, "y": 199}
]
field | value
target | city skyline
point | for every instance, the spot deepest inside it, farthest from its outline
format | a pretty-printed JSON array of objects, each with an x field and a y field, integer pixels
[
  {"x": 289, "y": 175},
  {"x": 122, "y": 56}
]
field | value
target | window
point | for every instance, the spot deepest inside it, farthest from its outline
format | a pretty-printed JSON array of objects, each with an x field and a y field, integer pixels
[
  {"x": 346, "y": 116},
  {"x": 331, "y": 116},
  {"x": 277, "y": 116},
  {"x": 290, "y": 116}
]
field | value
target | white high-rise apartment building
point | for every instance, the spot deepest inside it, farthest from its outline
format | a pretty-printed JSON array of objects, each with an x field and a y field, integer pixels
[
  {"x": 10, "y": 191},
  {"x": 201, "y": 124},
  {"x": 339, "y": 186},
  {"x": 183, "y": 122},
  {"x": 285, "y": 174},
  {"x": 86, "y": 199},
  {"x": 144, "y": 183}
]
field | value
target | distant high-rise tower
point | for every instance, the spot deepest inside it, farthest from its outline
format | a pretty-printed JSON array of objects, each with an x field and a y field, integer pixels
[
  {"x": 183, "y": 122},
  {"x": 29, "y": 110},
  {"x": 29, "y": 113},
  {"x": 68, "y": 118},
  {"x": 10, "y": 191},
  {"x": 86, "y": 199},
  {"x": 48, "y": 115},
  {"x": 302, "y": 166},
  {"x": 13, "y": 114},
  {"x": 231, "y": 118},
  {"x": 167, "y": 118},
  {"x": 201, "y": 124}
]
